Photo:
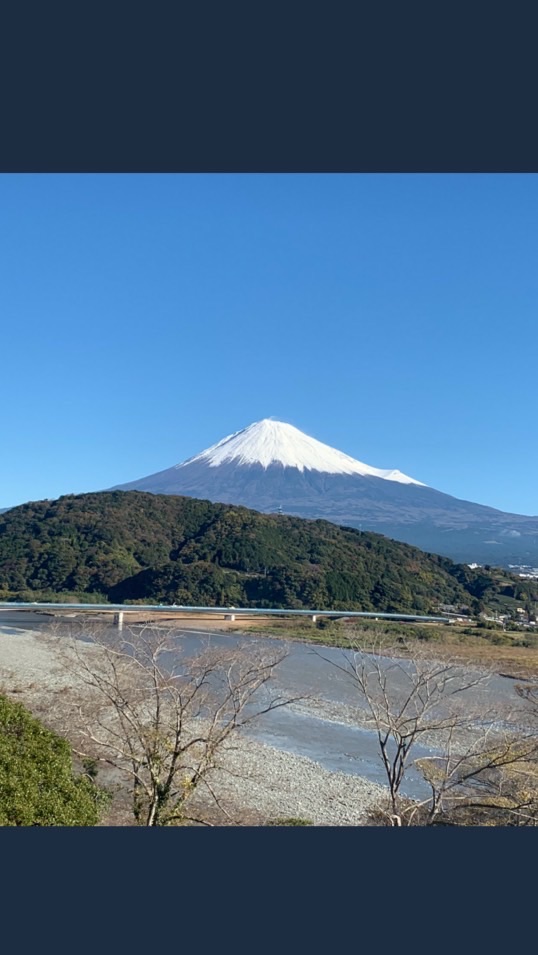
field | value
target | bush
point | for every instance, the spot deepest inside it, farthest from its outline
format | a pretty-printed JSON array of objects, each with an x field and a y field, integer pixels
[
  {"x": 37, "y": 783},
  {"x": 292, "y": 821},
  {"x": 325, "y": 623}
]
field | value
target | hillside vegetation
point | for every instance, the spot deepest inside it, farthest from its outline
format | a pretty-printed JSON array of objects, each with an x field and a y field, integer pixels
[{"x": 126, "y": 546}]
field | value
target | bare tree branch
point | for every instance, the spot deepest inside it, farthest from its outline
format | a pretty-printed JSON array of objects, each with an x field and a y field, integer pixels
[
  {"x": 159, "y": 716},
  {"x": 484, "y": 758}
]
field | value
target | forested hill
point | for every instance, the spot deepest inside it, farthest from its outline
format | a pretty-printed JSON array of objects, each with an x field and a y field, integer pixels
[{"x": 129, "y": 545}]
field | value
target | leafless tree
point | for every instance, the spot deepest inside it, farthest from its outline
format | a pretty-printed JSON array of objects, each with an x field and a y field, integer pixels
[
  {"x": 160, "y": 717},
  {"x": 421, "y": 700},
  {"x": 491, "y": 778}
]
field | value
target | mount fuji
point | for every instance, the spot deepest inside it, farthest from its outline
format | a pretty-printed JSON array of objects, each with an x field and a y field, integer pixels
[{"x": 272, "y": 466}]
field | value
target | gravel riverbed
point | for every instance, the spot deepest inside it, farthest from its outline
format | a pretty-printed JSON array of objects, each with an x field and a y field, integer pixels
[{"x": 257, "y": 782}]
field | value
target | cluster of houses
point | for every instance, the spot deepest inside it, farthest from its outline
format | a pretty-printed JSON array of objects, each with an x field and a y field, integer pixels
[
  {"x": 524, "y": 570},
  {"x": 463, "y": 614},
  {"x": 520, "y": 616}
]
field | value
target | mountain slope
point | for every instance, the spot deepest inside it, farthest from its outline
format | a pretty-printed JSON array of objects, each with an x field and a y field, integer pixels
[
  {"x": 271, "y": 466},
  {"x": 136, "y": 546}
]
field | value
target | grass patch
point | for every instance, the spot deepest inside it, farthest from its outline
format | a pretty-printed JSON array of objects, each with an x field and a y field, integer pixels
[{"x": 509, "y": 653}]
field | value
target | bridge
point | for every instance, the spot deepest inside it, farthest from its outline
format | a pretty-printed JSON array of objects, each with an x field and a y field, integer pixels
[{"x": 228, "y": 613}]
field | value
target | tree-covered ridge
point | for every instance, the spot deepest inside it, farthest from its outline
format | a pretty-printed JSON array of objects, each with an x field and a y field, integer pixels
[{"x": 130, "y": 545}]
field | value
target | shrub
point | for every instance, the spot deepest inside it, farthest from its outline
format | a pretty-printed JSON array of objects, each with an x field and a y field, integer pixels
[
  {"x": 37, "y": 783},
  {"x": 292, "y": 821}
]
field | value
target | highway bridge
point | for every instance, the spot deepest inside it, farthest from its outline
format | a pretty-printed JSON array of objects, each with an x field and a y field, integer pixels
[{"x": 228, "y": 613}]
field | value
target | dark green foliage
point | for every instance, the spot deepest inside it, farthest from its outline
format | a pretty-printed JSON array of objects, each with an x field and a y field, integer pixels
[
  {"x": 37, "y": 784},
  {"x": 127, "y": 546}
]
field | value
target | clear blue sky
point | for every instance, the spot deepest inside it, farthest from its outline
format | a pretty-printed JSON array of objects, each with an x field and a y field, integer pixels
[{"x": 144, "y": 317}]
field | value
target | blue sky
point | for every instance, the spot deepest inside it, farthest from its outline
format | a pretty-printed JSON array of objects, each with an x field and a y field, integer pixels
[{"x": 144, "y": 317}]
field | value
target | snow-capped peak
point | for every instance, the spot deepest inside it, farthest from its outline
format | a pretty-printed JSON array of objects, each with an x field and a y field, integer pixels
[{"x": 274, "y": 442}]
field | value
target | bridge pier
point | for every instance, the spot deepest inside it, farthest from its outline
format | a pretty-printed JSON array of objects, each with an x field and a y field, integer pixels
[
  {"x": 314, "y": 618},
  {"x": 229, "y": 616},
  {"x": 118, "y": 620}
]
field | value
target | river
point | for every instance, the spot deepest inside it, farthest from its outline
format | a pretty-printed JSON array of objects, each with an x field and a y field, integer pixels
[{"x": 317, "y": 727}]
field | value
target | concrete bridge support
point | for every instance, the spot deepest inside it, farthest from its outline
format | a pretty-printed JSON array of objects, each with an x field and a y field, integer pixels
[{"x": 118, "y": 620}]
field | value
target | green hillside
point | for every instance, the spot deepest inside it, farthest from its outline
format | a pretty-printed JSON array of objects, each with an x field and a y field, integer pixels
[{"x": 126, "y": 546}]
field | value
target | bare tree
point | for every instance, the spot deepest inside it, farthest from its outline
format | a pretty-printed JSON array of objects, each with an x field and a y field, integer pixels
[
  {"x": 160, "y": 717},
  {"x": 492, "y": 779},
  {"x": 421, "y": 700}
]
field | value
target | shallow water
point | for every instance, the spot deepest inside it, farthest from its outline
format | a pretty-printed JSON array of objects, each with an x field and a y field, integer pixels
[{"x": 336, "y": 746}]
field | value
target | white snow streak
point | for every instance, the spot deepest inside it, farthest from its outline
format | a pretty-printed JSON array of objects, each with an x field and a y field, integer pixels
[{"x": 274, "y": 442}]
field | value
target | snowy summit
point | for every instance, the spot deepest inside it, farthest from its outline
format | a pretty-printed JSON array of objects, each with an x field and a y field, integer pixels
[
  {"x": 274, "y": 468},
  {"x": 271, "y": 442}
]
